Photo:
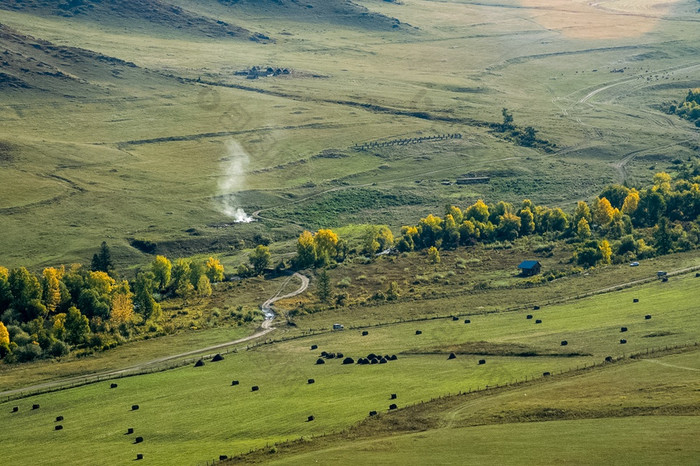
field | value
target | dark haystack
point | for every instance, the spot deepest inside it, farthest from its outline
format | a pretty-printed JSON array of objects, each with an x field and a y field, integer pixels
[
  {"x": 697, "y": 274},
  {"x": 348, "y": 361},
  {"x": 309, "y": 419},
  {"x": 529, "y": 316},
  {"x": 223, "y": 457},
  {"x": 418, "y": 332},
  {"x": 254, "y": 388},
  {"x": 392, "y": 406},
  {"x": 35, "y": 406},
  {"x": 320, "y": 361},
  {"x": 382, "y": 361},
  {"x": 393, "y": 357},
  {"x": 138, "y": 440},
  {"x": 199, "y": 363},
  {"x": 455, "y": 318},
  {"x": 365, "y": 333},
  {"x": 647, "y": 317},
  {"x": 310, "y": 381},
  {"x": 139, "y": 456},
  {"x": 393, "y": 396},
  {"x": 482, "y": 361},
  {"x": 234, "y": 382},
  {"x": 372, "y": 356},
  {"x": 665, "y": 279},
  {"x": 374, "y": 361},
  {"x": 623, "y": 329},
  {"x": 451, "y": 356},
  {"x": 339, "y": 355},
  {"x": 635, "y": 300},
  {"x": 538, "y": 321},
  {"x": 134, "y": 407},
  {"x": 129, "y": 431},
  {"x": 59, "y": 418},
  {"x": 467, "y": 321},
  {"x": 536, "y": 308},
  {"x": 114, "y": 385},
  {"x": 608, "y": 359},
  {"x": 324, "y": 354},
  {"x": 564, "y": 343},
  {"x": 15, "y": 409},
  {"x": 623, "y": 341},
  {"x": 313, "y": 347},
  {"x": 372, "y": 413},
  {"x": 546, "y": 374},
  {"x": 58, "y": 427},
  {"x": 217, "y": 358}
]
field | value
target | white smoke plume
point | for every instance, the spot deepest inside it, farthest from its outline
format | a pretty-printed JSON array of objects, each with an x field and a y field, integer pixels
[{"x": 234, "y": 169}]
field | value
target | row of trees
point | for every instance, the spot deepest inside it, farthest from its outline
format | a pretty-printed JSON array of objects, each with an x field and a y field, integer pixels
[{"x": 60, "y": 308}]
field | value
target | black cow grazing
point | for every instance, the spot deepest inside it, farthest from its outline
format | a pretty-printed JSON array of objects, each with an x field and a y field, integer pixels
[
  {"x": 467, "y": 321},
  {"x": 223, "y": 457},
  {"x": 59, "y": 418},
  {"x": 623, "y": 329},
  {"x": 697, "y": 274},
  {"x": 418, "y": 332},
  {"x": 529, "y": 316},
  {"x": 129, "y": 431},
  {"x": 58, "y": 427},
  {"x": 309, "y": 419},
  {"x": 393, "y": 357},
  {"x": 330, "y": 355},
  {"x": 234, "y": 382},
  {"x": 546, "y": 374},
  {"x": 392, "y": 406},
  {"x": 538, "y": 321},
  {"x": 635, "y": 300},
  {"x": 455, "y": 318},
  {"x": 313, "y": 347},
  {"x": 382, "y": 361},
  {"x": 35, "y": 406},
  {"x": 371, "y": 356},
  {"x": 254, "y": 388},
  {"x": 536, "y": 308},
  {"x": 365, "y": 333},
  {"x": 320, "y": 361},
  {"x": 623, "y": 341},
  {"x": 339, "y": 355},
  {"x": 372, "y": 413},
  {"x": 199, "y": 363},
  {"x": 647, "y": 317},
  {"x": 324, "y": 354},
  {"x": 134, "y": 407},
  {"x": 451, "y": 356},
  {"x": 15, "y": 409},
  {"x": 482, "y": 361},
  {"x": 608, "y": 359},
  {"x": 374, "y": 361},
  {"x": 393, "y": 396},
  {"x": 310, "y": 381},
  {"x": 564, "y": 343},
  {"x": 139, "y": 456},
  {"x": 348, "y": 361},
  {"x": 217, "y": 358},
  {"x": 138, "y": 440},
  {"x": 114, "y": 385}
]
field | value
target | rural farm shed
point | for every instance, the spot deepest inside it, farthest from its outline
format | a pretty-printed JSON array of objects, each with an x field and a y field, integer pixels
[{"x": 528, "y": 268}]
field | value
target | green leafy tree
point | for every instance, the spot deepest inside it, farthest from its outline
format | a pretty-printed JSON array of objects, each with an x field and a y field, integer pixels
[
  {"x": 662, "y": 237},
  {"x": 527, "y": 222},
  {"x": 583, "y": 229},
  {"x": 26, "y": 294},
  {"x": 393, "y": 292},
  {"x": 508, "y": 226},
  {"x": 102, "y": 261},
  {"x": 204, "y": 287},
  {"x": 507, "y": 123},
  {"x": 144, "y": 302},
  {"x": 259, "y": 259},
  {"x": 180, "y": 277},
  {"x": 324, "y": 288},
  {"x": 433, "y": 255},
  {"x": 77, "y": 327}
]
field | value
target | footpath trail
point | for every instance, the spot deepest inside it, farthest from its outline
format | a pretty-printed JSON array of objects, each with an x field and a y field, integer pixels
[{"x": 265, "y": 328}]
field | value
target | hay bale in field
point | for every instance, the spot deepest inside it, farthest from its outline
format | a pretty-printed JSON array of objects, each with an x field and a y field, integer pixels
[
  {"x": 139, "y": 456},
  {"x": 313, "y": 347},
  {"x": 129, "y": 431},
  {"x": 114, "y": 385},
  {"x": 393, "y": 396},
  {"x": 608, "y": 359},
  {"x": 320, "y": 361},
  {"x": 372, "y": 413},
  {"x": 536, "y": 308},
  {"x": 234, "y": 382},
  {"x": 418, "y": 332},
  {"x": 309, "y": 419},
  {"x": 697, "y": 274},
  {"x": 223, "y": 457},
  {"x": 467, "y": 321},
  {"x": 348, "y": 361},
  {"x": 392, "y": 406},
  {"x": 310, "y": 381},
  {"x": 529, "y": 316},
  {"x": 35, "y": 406},
  {"x": 58, "y": 427},
  {"x": 254, "y": 388},
  {"x": 15, "y": 409},
  {"x": 546, "y": 374},
  {"x": 647, "y": 317},
  {"x": 635, "y": 300},
  {"x": 564, "y": 343},
  {"x": 538, "y": 321},
  {"x": 199, "y": 363},
  {"x": 482, "y": 361},
  {"x": 59, "y": 418},
  {"x": 451, "y": 356},
  {"x": 138, "y": 440},
  {"x": 623, "y": 341},
  {"x": 365, "y": 333},
  {"x": 217, "y": 358},
  {"x": 134, "y": 407},
  {"x": 623, "y": 329}
]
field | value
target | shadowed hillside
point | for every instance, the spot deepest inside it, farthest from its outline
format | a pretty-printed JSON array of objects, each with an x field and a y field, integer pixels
[{"x": 125, "y": 12}]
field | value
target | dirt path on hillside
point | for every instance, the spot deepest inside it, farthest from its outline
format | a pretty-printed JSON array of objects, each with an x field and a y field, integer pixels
[{"x": 265, "y": 328}]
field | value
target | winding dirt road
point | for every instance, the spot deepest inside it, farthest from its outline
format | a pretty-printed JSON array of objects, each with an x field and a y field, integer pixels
[{"x": 265, "y": 328}]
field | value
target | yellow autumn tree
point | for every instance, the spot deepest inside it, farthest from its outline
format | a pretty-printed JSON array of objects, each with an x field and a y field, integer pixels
[
  {"x": 214, "y": 270},
  {"x": 4, "y": 335},
  {"x": 100, "y": 282},
  {"x": 583, "y": 229},
  {"x": 478, "y": 211},
  {"x": 605, "y": 251},
  {"x": 51, "y": 287},
  {"x": 325, "y": 242},
  {"x": 4, "y": 273},
  {"x": 631, "y": 202},
  {"x": 162, "y": 270},
  {"x": 603, "y": 211},
  {"x": 433, "y": 255},
  {"x": 662, "y": 182}
]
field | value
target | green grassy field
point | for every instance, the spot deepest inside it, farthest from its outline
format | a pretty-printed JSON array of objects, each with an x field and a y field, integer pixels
[{"x": 188, "y": 415}]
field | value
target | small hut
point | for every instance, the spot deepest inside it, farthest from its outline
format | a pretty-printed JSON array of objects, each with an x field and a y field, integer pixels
[{"x": 529, "y": 268}]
